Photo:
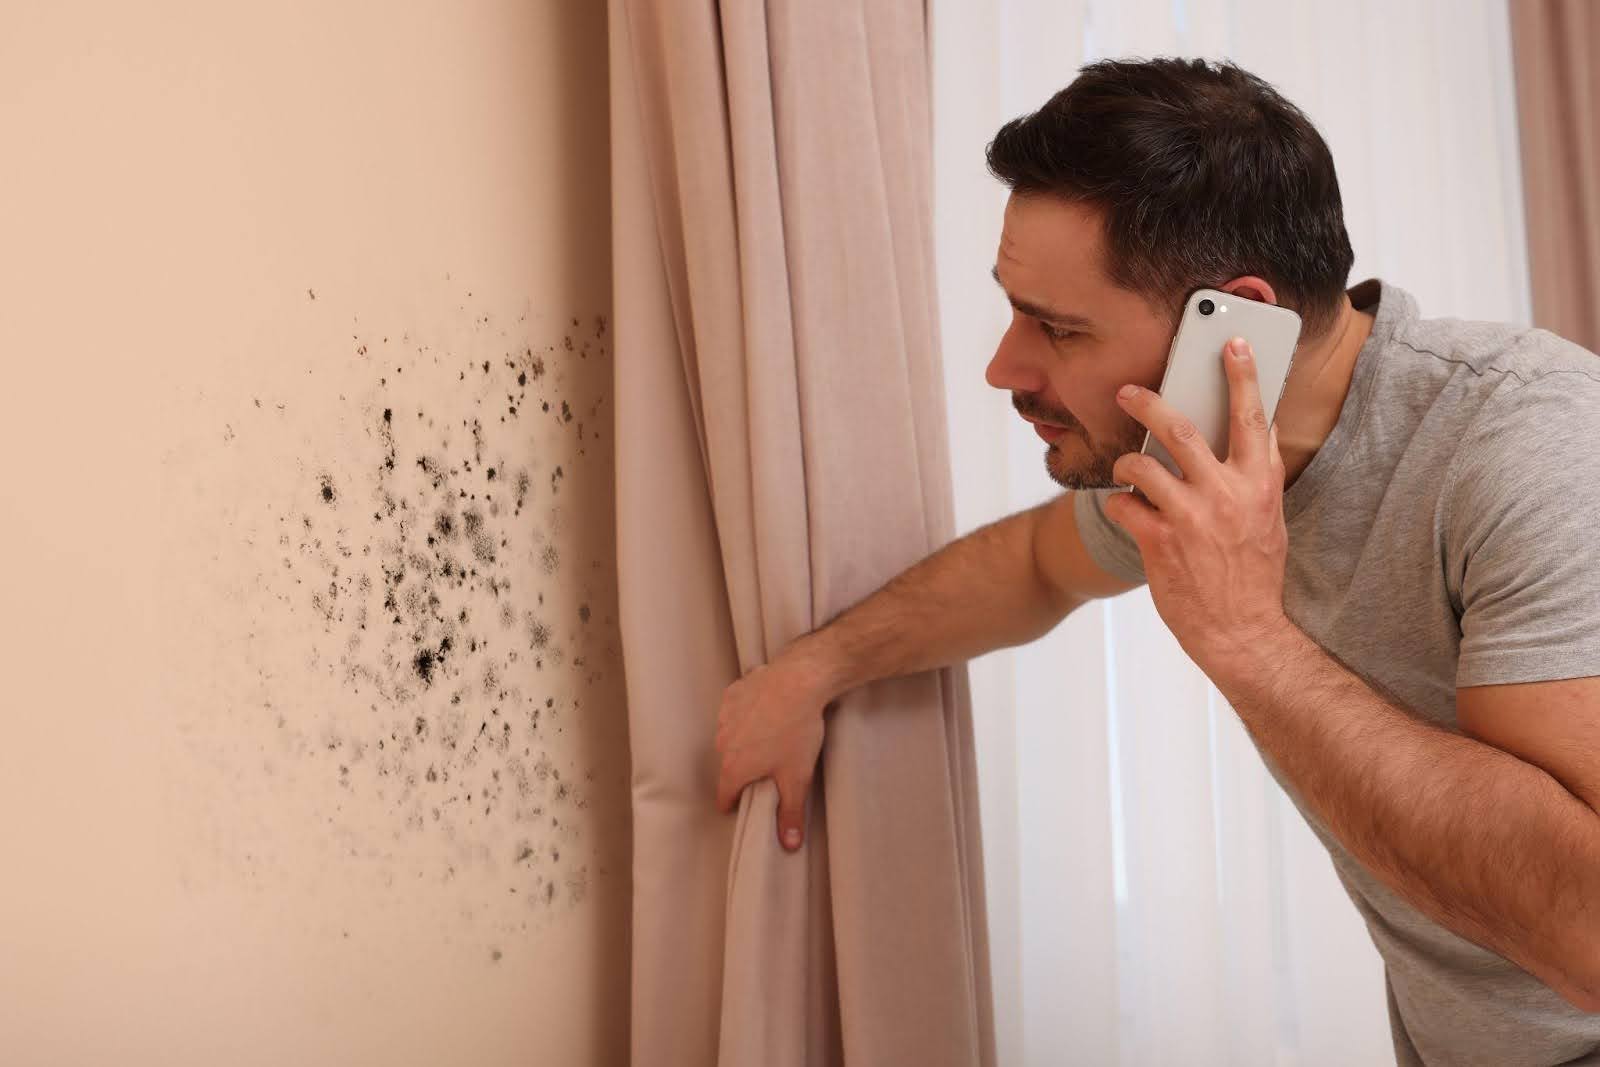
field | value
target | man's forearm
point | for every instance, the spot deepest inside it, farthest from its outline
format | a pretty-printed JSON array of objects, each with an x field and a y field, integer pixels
[
  {"x": 981, "y": 592},
  {"x": 1486, "y": 844}
]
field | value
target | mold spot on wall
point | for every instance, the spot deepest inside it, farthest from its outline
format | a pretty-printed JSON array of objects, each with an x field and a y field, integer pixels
[{"x": 428, "y": 686}]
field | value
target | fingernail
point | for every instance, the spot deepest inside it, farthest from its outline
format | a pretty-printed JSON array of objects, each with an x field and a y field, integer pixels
[
  {"x": 1127, "y": 391},
  {"x": 791, "y": 838},
  {"x": 1241, "y": 347}
]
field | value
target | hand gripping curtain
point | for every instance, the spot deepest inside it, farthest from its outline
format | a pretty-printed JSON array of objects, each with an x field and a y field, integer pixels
[{"x": 781, "y": 452}]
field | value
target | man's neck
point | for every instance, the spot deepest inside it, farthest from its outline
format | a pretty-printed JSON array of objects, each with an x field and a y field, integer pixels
[{"x": 1311, "y": 400}]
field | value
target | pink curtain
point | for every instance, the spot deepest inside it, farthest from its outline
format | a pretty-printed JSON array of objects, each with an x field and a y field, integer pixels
[
  {"x": 1557, "y": 47},
  {"x": 781, "y": 452}
]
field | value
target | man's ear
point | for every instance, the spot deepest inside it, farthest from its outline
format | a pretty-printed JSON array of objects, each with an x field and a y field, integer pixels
[{"x": 1251, "y": 288}]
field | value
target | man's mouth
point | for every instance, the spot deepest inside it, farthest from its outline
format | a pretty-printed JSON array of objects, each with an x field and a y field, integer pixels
[{"x": 1049, "y": 431}]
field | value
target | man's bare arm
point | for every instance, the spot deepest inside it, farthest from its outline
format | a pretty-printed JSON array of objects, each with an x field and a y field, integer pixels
[
  {"x": 1490, "y": 832},
  {"x": 1002, "y": 585}
]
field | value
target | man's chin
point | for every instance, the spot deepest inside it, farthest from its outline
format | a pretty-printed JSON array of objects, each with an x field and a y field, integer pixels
[
  {"x": 1076, "y": 470},
  {"x": 1076, "y": 481}
]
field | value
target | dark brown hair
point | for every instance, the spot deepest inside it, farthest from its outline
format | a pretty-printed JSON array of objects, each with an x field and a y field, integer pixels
[{"x": 1204, "y": 173}]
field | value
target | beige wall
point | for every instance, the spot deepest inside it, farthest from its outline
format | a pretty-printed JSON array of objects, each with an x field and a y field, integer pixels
[{"x": 306, "y": 757}]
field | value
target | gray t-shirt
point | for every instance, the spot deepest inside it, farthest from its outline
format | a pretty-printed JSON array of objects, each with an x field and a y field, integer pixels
[{"x": 1446, "y": 534}]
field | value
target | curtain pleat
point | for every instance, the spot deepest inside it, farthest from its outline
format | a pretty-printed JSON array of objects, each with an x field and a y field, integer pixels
[{"x": 1557, "y": 49}]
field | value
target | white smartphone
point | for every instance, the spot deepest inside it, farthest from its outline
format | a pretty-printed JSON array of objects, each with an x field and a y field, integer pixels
[{"x": 1195, "y": 382}]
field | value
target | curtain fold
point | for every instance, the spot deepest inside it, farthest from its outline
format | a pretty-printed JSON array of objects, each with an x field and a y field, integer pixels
[
  {"x": 781, "y": 452},
  {"x": 1557, "y": 48}
]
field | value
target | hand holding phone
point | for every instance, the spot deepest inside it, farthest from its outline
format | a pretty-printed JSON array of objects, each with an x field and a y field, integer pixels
[{"x": 1195, "y": 382}]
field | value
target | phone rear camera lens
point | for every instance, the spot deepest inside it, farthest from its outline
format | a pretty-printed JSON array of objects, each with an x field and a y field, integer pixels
[{"x": 1207, "y": 307}]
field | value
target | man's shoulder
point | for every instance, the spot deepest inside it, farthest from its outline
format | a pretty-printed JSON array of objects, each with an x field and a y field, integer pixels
[
  {"x": 1495, "y": 395},
  {"x": 1493, "y": 351},
  {"x": 1533, "y": 437}
]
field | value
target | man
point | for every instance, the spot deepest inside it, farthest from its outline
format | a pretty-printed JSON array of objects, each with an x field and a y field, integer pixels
[{"x": 1396, "y": 586}]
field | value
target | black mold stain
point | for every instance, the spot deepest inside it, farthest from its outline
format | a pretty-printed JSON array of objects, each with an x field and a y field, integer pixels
[
  {"x": 482, "y": 542},
  {"x": 538, "y": 634},
  {"x": 523, "y": 484},
  {"x": 410, "y": 574}
]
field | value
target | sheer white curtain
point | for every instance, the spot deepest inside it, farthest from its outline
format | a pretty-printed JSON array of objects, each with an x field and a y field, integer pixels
[{"x": 1154, "y": 898}]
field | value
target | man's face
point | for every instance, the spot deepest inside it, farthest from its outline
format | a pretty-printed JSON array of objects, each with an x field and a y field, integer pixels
[{"x": 1074, "y": 339}]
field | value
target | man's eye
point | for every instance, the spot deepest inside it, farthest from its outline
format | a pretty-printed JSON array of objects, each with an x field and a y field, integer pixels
[{"x": 1055, "y": 333}]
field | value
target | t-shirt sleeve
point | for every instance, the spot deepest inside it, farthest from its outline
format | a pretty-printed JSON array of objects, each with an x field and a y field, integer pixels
[
  {"x": 1523, "y": 534},
  {"x": 1108, "y": 544}
]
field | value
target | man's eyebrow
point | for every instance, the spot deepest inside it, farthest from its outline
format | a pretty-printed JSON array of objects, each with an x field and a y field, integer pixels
[{"x": 1058, "y": 318}]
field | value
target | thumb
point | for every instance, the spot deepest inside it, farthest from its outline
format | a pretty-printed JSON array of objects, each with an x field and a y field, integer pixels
[{"x": 792, "y": 813}]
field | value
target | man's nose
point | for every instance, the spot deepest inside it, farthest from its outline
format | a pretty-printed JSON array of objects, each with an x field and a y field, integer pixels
[{"x": 1012, "y": 369}]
